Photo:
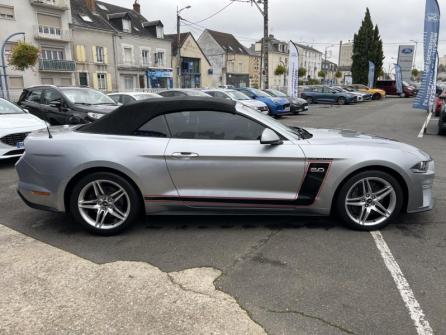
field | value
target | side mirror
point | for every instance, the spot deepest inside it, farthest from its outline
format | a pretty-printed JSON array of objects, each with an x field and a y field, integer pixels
[
  {"x": 74, "y": 120},
  {"x": 25, "y": 110},
  {"x": 270, "y": 137}
]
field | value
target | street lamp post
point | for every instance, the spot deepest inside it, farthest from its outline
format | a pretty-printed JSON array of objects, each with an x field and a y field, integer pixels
[
  {"x": 415, "y": 54},
  {"x": 179, "y": 63},
  {"x": 5, "y": 88}
]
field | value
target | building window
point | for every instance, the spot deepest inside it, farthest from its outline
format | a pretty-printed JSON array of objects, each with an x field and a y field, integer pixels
[
  {"x": 85, "y": 18},
  {"x": 159, "y": 58},
  {"x": 145, "y": 55},
  {"x": 102, "y": 81},
  {"x": 52, "y": 54},
  {"x": 83, "y": 79},
  {"x": 128, "y": 55},
  {"x": 126, "y": 26},
  {"x": 128, "y": 83},
  {"x": 240, "y": 67},
  {"x": 50, "y": 25},
  {"x": 159, "y": 32},
  {"x": 7, "y": 12},
  {"x": 100, "y": 55},
  {"x": 47, "y": 81}
]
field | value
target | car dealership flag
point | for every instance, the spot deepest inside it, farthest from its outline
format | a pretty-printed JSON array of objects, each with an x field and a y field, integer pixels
[
  {"x": 293, "y": 71},
  {"x": 371, "y": 82},
  {"x": 399, "y": 79},
  {"x": 426, "y": 94}
]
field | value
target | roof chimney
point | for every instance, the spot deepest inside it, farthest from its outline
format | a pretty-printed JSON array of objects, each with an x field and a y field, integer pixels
[
  {"x": 91, "y": 5},
  {"x": 137, "y": 7}
]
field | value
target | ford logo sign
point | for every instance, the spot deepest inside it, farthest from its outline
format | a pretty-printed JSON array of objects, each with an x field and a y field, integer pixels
[{"x": 407, "y": 51}]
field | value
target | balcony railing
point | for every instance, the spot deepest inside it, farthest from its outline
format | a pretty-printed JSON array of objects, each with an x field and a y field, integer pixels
[
  {"x": 55, "y": 4},
  {"x": 57, "y": 65},
  {"x": 51, "y": 33}
]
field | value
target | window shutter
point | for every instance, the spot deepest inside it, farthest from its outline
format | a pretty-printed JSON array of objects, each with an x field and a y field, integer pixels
[
  {"x": 95, "y": 80},
  {"x": 95, "y": 55},
  {"x": 78, "y": 53},
  {"x": 83, "y": 55},
  {"x": 109, "y": 83},
  {"x": 105, "y": 55}
]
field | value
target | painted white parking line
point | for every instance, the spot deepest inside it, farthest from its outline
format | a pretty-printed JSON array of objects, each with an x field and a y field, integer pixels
[{"x": 416, "y": 313}]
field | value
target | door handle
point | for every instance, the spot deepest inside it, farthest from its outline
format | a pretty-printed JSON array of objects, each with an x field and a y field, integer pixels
[{"x": 184, "y": 155}]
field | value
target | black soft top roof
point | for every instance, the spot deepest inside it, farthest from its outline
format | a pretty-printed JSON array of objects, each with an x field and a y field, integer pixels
[{"x": 128, "y": 118}]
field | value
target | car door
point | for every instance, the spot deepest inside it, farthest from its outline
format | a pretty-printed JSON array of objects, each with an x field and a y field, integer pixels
[
  {"x": 329, "y": 95},
  {"x": 32, "y": 103},
  {"x": 54, "y": 108},
  {"x": 216, "y": 159}
]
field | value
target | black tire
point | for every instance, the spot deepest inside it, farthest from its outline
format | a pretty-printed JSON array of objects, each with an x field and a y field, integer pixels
[
  {"x": 340, "y": 201},
  {"x": 133, "y": 198},
  {"x": 441, "y": 130},
  {"x": 376, "y": 96},
  {"x": 341, "y": 101},
  {"x": 310, "y": 100}
]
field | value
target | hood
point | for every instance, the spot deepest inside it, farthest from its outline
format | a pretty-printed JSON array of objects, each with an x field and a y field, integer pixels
[
  {"x": 347, "y": 137},
  {"x": 280, "y": 100},
  {"x": 103, "y": 109},
  {"x": 253, "y": 103},
  {"x": 21, "y": 121},
  {"x": 298, "y": 101}
]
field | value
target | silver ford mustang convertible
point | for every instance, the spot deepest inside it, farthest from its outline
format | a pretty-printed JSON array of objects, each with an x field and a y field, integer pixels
[{"x": 189, "y": 155}]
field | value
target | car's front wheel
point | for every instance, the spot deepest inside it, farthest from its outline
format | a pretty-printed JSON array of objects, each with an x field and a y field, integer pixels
[
  {"x": 104, "y": 203},
  {"x": 376, "y": 96},
  {"x": 369, "y": 200},
  {"x": 310, "y": 100},
  {"x": 341, "y": 101}
]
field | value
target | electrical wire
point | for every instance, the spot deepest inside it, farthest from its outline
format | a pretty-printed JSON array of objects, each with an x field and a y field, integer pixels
[{"x": 216, "y": 13}]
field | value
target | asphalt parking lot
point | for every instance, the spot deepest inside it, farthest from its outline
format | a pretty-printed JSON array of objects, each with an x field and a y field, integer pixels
[{"x": 290, "y": 275}]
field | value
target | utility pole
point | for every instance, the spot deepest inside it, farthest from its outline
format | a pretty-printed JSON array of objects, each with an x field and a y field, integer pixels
[{"x": 179, "y": 63}]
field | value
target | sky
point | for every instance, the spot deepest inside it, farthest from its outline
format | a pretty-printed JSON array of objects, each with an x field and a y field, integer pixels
[{"x": 319, "y": 23}]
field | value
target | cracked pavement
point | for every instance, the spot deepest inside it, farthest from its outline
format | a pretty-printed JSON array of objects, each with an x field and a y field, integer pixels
[{"x": 282, "y": 275}]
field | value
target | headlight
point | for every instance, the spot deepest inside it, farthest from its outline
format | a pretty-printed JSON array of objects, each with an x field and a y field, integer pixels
[
  {"x": 421, "y": 167},
  {"x": 95, "y": 115}
]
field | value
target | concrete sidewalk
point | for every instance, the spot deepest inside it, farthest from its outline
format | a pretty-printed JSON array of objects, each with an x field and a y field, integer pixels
[{"x": 49, "y": 291}]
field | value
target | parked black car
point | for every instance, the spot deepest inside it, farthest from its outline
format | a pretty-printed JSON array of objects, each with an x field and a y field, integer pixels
[
  {"x": 297, "y": 105},
  {"x": 66, "y": 105},
  {"x": 442, "y": 121}
]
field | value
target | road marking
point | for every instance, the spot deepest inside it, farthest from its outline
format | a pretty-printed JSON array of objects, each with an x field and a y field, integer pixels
[
  {"x": 425, "y": 124},
  {"x": 416, "y": 313}
]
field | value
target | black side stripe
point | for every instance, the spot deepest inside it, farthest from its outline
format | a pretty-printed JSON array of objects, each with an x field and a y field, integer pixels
[{"x": 308, "y": 192}]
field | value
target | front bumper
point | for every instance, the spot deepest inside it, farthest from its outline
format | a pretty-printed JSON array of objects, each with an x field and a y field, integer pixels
[
  {"x": 420, "y": 197},
  {"x": 295, "y": 108}
]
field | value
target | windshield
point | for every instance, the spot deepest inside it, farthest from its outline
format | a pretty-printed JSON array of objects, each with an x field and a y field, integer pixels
[
  {"x": 87, "y": 96},
  {"x": 146, "y": 96},
  {"x": 296, "y": 132},
  {"x": 194, "y": 93},
  {"x": 260, "y": 93},
  {"x": 276, "y": 93},
  {"x": 236, "y": 95},
  {"x": 9, "y": 108}
]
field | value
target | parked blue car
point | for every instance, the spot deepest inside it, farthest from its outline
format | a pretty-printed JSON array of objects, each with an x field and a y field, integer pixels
[
  {"x": 277, "y": 106},
  {"x": 317, "y": 94}
]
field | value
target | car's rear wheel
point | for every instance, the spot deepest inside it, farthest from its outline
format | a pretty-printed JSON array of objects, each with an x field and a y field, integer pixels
[
  {"x": 341, "y": 101},
  {"x": 369, "y": 200},
  {"x": 104, "y": 203},
  {"x": 376, "y": 96}
]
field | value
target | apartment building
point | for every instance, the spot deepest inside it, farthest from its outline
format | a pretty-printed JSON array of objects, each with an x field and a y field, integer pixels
[
  {"x": 118, "y": 49},
  {"x": 228, "y": 57},
  {"x": 310, "y": 59},
  {"x": 46, "y": 25}
]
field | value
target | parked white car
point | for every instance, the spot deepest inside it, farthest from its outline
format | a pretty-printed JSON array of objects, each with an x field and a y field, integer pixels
[
  {"x": 235, "y": 95},
  {"x": 15, "y": 125},
  {"x": 124, "y": 98}
]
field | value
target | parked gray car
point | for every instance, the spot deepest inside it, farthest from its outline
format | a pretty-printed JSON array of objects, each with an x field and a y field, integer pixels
[{"x": 187, "y": 155}]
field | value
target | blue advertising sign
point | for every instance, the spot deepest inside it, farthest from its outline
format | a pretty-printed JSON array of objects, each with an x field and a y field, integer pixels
[
  {"x": 399, "y": 79},
  {"x": 426, "y": 95},
  {"x": 371, "y": 82}
]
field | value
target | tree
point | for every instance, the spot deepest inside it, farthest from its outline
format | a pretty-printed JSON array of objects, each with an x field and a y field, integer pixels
[
  {"x": 302, "y": 72},
  {"x": 367, "y": 46},
  {"x": 441, "y": 68},
  {"x": 280, "y": 70},
  {"x": 338, "y": 74},
  {"x": 321, "y": 74},
  {"x": 23, "y": 56},
  {"x": 415, "y": 73}
]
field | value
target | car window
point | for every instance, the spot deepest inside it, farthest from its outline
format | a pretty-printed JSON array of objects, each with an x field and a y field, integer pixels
[
  {"x": 51, "y": 96},
  {"x": 116, "y": 98},
  {"x": 156, "y": 127},
  {"x": 221, "y": 95},
  {"x": 34, "y": 96},
  {"x": 125, "y": 99},
  {"x": 248, "y": 93},
  {"x": 213, "y": 126},
  {"x": 326, "y": 90}
]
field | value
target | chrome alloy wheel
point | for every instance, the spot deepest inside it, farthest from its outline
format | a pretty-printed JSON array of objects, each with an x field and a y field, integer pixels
[
  {"x": 104, "y": 204},
  {"x": 370, "y": 201}
]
